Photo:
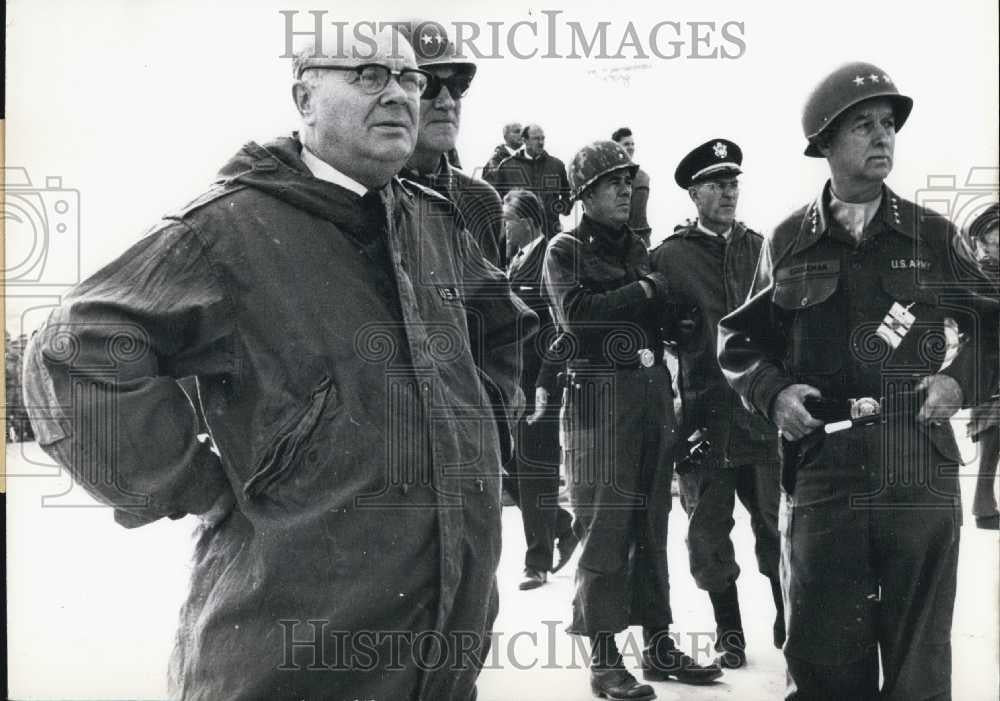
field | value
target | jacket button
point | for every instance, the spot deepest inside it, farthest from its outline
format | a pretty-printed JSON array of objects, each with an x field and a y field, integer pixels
[
  {"x": 804, "y": 300},
  {"x": 404, "y": 488}
]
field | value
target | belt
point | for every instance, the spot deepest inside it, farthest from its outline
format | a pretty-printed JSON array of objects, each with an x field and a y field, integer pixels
[
  {"x": 842, "y": 414},
  {"x": 642, "y": 358}
]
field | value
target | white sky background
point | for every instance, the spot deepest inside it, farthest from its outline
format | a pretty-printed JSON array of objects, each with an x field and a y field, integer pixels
[{"x": 137, "y": 104}]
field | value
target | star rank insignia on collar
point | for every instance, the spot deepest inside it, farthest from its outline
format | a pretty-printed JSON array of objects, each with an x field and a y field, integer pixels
[
  {"x": 894, "y": 203},
  {"x": 720, "y": 149}
]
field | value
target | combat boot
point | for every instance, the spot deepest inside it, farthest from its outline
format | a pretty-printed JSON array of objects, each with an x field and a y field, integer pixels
[
  {"x": 662, "y": 661},
  {"x": 729, "y": 640}
]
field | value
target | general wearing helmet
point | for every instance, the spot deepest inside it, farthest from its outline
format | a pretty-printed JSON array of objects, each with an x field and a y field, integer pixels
[
  {"x": 432, "y": 46},
  {"x": 845, "y": 87},
  {"x": 595, "y": 160}
]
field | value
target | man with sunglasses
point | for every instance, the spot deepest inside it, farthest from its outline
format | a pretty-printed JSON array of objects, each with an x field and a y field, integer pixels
[
  {"x": 710, "y": 263},
  {"x": 449, "y": 78},
  {"x": 349, "y": 493}
]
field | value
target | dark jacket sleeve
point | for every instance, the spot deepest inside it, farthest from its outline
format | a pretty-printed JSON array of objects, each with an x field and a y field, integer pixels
[
  {"x": 101, "y": 378},
  {"x": 573, "y": 303},
  {"x": 751, "y": 343},
  {"x": 483, "y": 214},
  {"x": 503, "y": 323},
  {"x": 553, "y": 363}
]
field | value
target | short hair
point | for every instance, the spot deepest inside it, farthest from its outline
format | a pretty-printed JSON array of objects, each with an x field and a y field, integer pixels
[
  {"x": 986, "y": 221},
  {"x": 620, "y": 134},
  {"x": 526, "y": 205},
  {"x": 510, "y": 126}
]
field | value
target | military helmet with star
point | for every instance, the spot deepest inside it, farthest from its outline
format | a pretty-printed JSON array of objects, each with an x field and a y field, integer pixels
[
  {"x": 716, "y": 158},
  {"x": 845, "y": 87},
  {"x": 432, "y": 46}
]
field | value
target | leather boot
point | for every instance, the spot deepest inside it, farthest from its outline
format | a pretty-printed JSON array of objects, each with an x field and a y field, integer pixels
[
  {"x": 730, "y": 640},
  {"x": 662, "y": 661},
  {"x": 608, "y": 677}
]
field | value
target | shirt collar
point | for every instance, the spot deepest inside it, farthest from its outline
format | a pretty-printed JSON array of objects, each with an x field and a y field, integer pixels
[
  {"x": 725, "y": 235},
  {"x": 324, "y": 171},
  {"x": 894, "y": 212}
]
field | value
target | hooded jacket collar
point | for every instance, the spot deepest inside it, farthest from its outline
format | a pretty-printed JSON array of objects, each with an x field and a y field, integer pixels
[{"x": 276, "y": 168}]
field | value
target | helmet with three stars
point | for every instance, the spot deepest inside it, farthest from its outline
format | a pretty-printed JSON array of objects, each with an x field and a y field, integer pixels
[
  {"x": 843, "y": 88},
  {"x": 716, "y": 158},
  {"x": 594, "y": 160},
  {"x": 433, "y": 47}
]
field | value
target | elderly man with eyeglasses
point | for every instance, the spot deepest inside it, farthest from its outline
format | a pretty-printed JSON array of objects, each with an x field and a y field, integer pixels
[
  {"x": 710, "y": 263},
  {"x": 349, "y": 493}
]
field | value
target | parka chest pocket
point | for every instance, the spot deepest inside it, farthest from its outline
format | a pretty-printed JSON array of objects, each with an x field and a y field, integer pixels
[
  {"x": 294, "y": 443},
  {"x": 817, "y": 334}
]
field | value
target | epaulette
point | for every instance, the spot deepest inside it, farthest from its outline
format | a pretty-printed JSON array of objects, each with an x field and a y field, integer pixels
[
  {"x": 781, "y": 248},
  {"x": 216, "y": 192}
]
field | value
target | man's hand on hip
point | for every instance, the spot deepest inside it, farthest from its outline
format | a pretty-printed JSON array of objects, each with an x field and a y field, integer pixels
[{"x": 790, "y": 415}]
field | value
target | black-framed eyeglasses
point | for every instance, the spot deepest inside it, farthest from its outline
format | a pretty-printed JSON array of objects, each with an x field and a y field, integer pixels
[
  {"x": 373, "y": 77},
  {"x": 458, "y": 85}
]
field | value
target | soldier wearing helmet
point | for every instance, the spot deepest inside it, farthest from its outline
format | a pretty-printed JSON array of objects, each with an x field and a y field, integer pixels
[
  {"x": 433, "y": 163},
  {"x": 836, "y": 345},
  {"x": 620, "y": 426}
]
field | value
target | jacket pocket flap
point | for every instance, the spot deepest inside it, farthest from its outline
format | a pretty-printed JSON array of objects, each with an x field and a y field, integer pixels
[{"x": 800, "y": 293}]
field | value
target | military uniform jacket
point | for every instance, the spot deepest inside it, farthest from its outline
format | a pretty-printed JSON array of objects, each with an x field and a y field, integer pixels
[
  {"x": 525, "y": 276},
  {"x": 337, "y": 382},
  {"x": 592, "y": 276},
  {"x": 710, "y": 277},
  {"x": 476, "y": 201},
  {"x": 818, "y": 303}
]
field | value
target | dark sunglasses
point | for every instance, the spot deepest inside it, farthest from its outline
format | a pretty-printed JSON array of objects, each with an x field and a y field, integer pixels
[{"x": 457, "y": 84}]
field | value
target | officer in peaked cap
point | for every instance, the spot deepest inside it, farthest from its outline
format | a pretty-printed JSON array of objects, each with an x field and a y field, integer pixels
[
  {"x": 834, "y": 345},
  {"x": 620, "y": 428},
  {"x": 713, "y": 159},
  {"x": 710, "y": 263}
]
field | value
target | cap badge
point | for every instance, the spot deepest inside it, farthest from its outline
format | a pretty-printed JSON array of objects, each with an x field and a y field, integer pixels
[{"x": 720, "y": 149}]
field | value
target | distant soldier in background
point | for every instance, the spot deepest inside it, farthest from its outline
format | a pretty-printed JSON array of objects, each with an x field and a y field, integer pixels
[
  {"x": 512, "y": 141},
  {"x": 710, "y": 264},
  {"x": 547, "y": 526},
  {"x": 984, "y": 428},
  {"x": 640, "y": 188},
  {"x": 533, "y": 168}
]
